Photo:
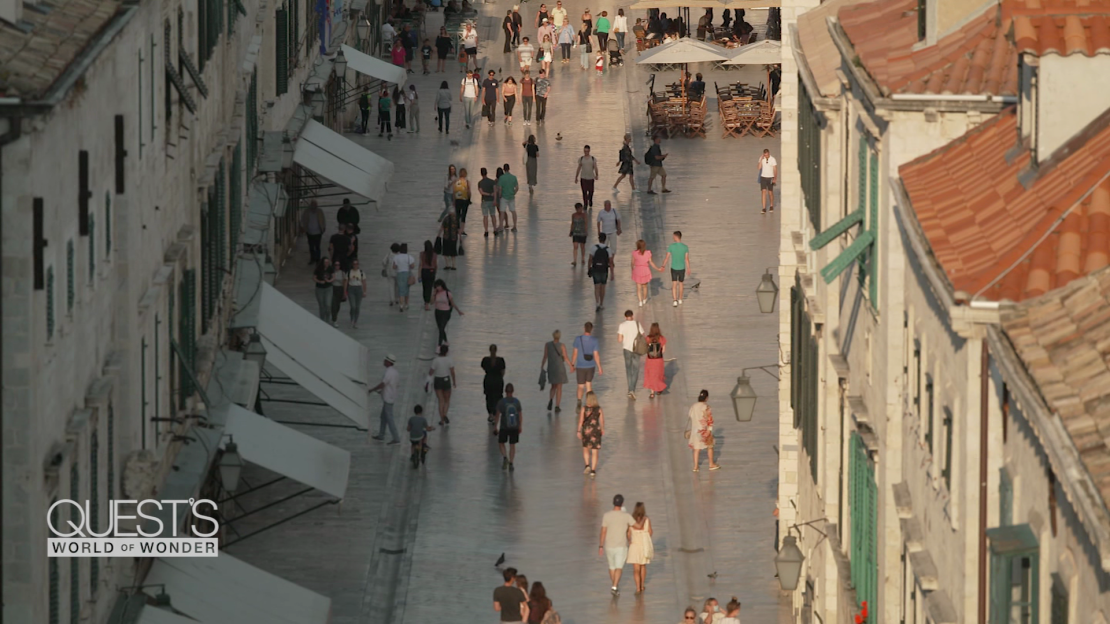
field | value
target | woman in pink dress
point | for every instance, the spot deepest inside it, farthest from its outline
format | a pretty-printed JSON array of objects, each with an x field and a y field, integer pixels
[
  {"x": 653, "y": 367},
  {"x": 641, "y": 270}
]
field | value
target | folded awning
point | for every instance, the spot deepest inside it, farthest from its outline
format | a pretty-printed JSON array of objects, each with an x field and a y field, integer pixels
[
  {"x": 288, "y": 452},
  {"x": 234, "y": 380},
  {"x": 223, "y": 590},
  {"x": 265, "y": 202},
  {"x": 375, "y": 68},
  {"x": 332, "y": 156},
  {"x": 320, "y": 358}
]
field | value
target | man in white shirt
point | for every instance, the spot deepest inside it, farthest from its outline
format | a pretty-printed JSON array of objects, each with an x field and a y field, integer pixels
[
  {"x": 470, "y": 44},
  {"x": 768, "y": 175},
  {"x": 468, "y": 95},
  {"x": 587, "y": 173},
  {"x": 524, "y": 54},
  {"x": 614, "y": 540},
  {"x": 626, "y": 334},
  {"x": 558, "y": 15},
  {"x": 389, "y": 387},
  {"x": 609, "y": 224},
  {"x": 388, "y": 34}
]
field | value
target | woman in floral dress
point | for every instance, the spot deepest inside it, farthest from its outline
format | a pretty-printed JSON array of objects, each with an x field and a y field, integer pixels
[
  {"x": 701, "y": 430},
  {"x": 591, "y": 426}
]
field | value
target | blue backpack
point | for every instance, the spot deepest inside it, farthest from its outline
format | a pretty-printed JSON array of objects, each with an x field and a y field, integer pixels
[{"x": 512, "y": 415}]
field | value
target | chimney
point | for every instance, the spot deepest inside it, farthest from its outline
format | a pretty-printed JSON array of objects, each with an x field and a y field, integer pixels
[{"x": 11, "y": 11}]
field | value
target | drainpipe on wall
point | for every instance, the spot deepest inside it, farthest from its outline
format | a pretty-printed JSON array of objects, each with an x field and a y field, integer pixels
[{"x": 984, "y": 375}]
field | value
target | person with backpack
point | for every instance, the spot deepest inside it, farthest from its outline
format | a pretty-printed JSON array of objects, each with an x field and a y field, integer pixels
[
  {"x": 601, "y": 264},
  {"x": 493, "y": 384},
  {"x": 654, "y": 377},
  {"x": 629, "y": 333},
  {"x": 468, "y": 95},
  {"x": 624, "y": 164},
  {"x": 540, "y": 608},
  {"x": 579, "y": 230},
  {"x": 462, "y": 199},
  {"x": 609, "y": 223},
  {"x": 586, "y": 360},
  {"x": 510, "y": 414},
  {"x": 654, "y": 159}
]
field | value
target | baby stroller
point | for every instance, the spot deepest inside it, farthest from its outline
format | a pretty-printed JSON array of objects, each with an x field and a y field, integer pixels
[{"x": 615, "y": 58}]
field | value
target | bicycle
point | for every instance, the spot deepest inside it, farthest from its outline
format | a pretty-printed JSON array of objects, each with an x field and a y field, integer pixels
[{"x": 419, "y": 453}]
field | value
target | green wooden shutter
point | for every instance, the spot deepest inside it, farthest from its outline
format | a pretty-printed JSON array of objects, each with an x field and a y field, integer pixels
[
  {"x": 236, "y": 214},
  {"x": 1059, "y": 608},
  {"x": 107, "y": 223},
  {"x": 94, "y": 506},
  {"x": 221, "y": 228},
  {"x": 948, "y": 425},
  {"x": 75, "y": 562},
  {"x": 863, "y": 496},
  {"x": 50, "y": 320},
  {"x": 187, "y": 332},
  {"x": 862, "y": 190},
  {"x": 1005, "y": 498},
  {"x": 1015, "y": 575},
  {"x": 92, "y": 246},
  {"x": 809, "y": 155},
  {"x": 252, "y": 122},
  {"x": 71, "y": 292},
  {"x": 202, "y": 34},
  {"x": 873, "y": 226},
  {"x": 54, "y": 593},
  {"x": 929, "y": 396},
  {"x": 295, "y": 30},
  {"x": 282, "y": 64},
  {"x": 205, "y": 259},
  {"x": 112, "y": 451}
]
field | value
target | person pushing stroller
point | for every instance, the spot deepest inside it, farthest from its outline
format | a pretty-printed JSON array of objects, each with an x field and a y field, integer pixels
[{"x": 615, "y": 57}]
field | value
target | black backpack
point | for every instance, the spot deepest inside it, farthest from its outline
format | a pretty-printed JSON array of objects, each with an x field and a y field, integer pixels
[{"x": 600, "y": 260}]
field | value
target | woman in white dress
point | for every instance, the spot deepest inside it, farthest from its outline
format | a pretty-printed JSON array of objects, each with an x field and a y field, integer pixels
[
  {"x": 700, "y": 430},
  {"x": 640, "y": 547}
]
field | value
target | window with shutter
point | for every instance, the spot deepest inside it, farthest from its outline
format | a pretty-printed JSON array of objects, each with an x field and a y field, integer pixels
[
  {"x": 294, "y": 34},
  {"x": 107, "y": 224},
  {"x": 282, "y": 61},
  {"x": 929, "y": 412},
  {"x": 71, "y": 293},
  {"x": 188, "y": 328},
  {"x": 50, "y": 321},
  {"x": 142, "y": 94},
  {"x": 809, "y": 155},
  {"x": 252, "y": 122},
  {"x": 873, "y": 227},
  {"x": 922, "y": 19},
  {"x": 75, "y": 562},
  {"x": 803, "y": 374},
  {"x": 171, "y": 326},
  {"x": 111, "y": 427},
  {"x": 92, "y": 248},
  {"x": 235, "y": 218},
  {"x": 1014, "y": 575},
  {"x": 205, "y": 260},
  {"x": 946, "y": 472},
  {"x": 863, "y": 497},
  {"x": 1005, "y": 498},
  {"x": 94, "y": 506},
  {"x": 54, "y": 592},
  {"x": 221, "y": 231},
  {"x": 1059, "y": 608}
]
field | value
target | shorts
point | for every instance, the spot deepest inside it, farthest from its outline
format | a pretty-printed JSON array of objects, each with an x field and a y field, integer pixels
[
  {"x": 581, "y": 240},
  {"x": 601, "y": 277},
  {"x": 657, "y": 170},
  {"x": 767, "y": 184},
  {"x": 678, "y": 275},
  {"x": 616, "y": 557},
  {"x": 508, "y": 436},
  {"x": 508, "y": 204},
  {"x": 472, "y": 51},
  {"x": 585, "y": 375},
  {"x": 441, "y": 383},
  {"x": 488, "y": 209},
  {"x": 526, "y": 66}
]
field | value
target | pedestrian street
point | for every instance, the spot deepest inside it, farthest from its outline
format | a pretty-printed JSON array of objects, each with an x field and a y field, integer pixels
[{"x": 409, "y": 546}]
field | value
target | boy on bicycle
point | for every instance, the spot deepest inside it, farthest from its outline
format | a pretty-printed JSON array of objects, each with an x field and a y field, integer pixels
[{"x": 418, "y": 429}]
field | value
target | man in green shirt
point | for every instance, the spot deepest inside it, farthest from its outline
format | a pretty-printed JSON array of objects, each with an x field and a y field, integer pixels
[
  {"x": 507, "y": 186},
  {"x": 679, "y": 256}
]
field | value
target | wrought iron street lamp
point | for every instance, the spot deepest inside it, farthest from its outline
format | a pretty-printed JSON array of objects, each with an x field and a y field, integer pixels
[
  {"x": 319, "y": 101},
  {"x": 744, "y": 396},
  {"x": 255, "y": 351},
  {"x": 287, "y": 151},
  {"x": 767, "y": 293},
  {"x": 788, "y": 563},
  {"x": 231, "y": 465}
]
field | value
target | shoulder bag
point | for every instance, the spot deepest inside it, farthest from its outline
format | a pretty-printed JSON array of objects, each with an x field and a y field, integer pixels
[{"x": 640, "y": 345}]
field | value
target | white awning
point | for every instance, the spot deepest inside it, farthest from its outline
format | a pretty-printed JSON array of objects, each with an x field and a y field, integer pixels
[
  {"x": 322, "y": 359},
  {"x": 375, "y": 68},
  {"x": 332, "y": 156},
  {"x": 766, "y": 52},
  {"x": 288, "y": 452},
  {"x": 647, "y": 5},
  {"x": 685, "y": 50},
  {"x": 750, "y": 4},
  {"x": 224, "y": 590}
]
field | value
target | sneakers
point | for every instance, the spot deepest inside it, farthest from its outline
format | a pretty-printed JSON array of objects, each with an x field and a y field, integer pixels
[
  {"x": 669, "y": 190},
  {"x": 586, "y": 470},
  {"x": 650, "y": 192},
  {"x": 631, "y": 395},
  {"x": 504, "y": 463},
  {"x": 593, "y": 473},
  {"x": 614, "y": 591},
  {"x": 512, "y": 467},
  {"x": 680, "y": 302},
  {"x": 374, "y": 437},
  {"x": 675, "y": 304}
]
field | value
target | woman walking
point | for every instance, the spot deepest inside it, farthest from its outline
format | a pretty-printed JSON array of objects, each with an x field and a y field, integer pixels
[
  {"x": 443, "y": 110},
  {"x": 449, "y": 239},
  {"x": 732, "y": 609},
  {"x": 384, "y": 119},
  {"x": 620, "y": 27},
  {"x": 527, "y": 96},
  {"x": 591, "y": 426},
  {"x": 339, "y": 278},
  {"x": 531, "y": 165},
  {"x": 403, "y": 265},
  {"x": 323, "y": 276},
  {"x": 493, "y": 384},
  {"x": 429, "y": 262},
  {"x": 449, "y": 190},
  {"x": 579, "y": 231},
  {"x": 588, "y": 20},
  {"x": 538, "y": 603},
  {"x": 443, "y": 380},
  {"x": 711, "y": 612},
  {"x": 399, "y": 102},
  {"x": 653, "y": 367},
  {"x": 700, "y": 430},
  {"x": 603, "y": 31},
  {"x": 443, "y": 48},
  {"x": 389, "y": 274},
  {"x": 641, "y": 550},
  {"x": 547, "y": 53},
  {"x": 508, "y": 97},
  {"x": 642, "y": 265},
  {"x": 462, "y": 198},
  {"x": 555, "y": 357},
  {"x": 583, "y": 46},
  {"x": 624, "y": 164},
  {"x": 412, "y": 102},
  {"x": 444, "y": 304},
  {"x": 566, "y": 41},
  {"x": 355, "y": 287},
  {"x": 397, "y": 54}
]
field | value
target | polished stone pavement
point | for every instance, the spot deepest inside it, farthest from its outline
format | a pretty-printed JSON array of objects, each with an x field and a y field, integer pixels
[{"x": 413, "y": 546}]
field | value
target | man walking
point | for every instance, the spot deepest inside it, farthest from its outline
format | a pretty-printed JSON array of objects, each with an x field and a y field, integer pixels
[
  {"x": 768, "y": 175},
  {"x": 609, "y": 224},
  {"x": 508, "y": 186},
  {"x": 601, "y": 264},
  {"x": 627, "y": 332},
  {"x": 468, "y": 95},
  {"x": 624, "y": 164},
  {"x": 339, "y": 248},
  {"x": 388, "y": 387},
  {"x": 679, "y": 256},
  {"x": 486, "y": 188},
  {"x": 543, "y": 90},
  {"x": 524, "y": 54},
  {"x": 558, "y": 15},
  {"x": 490, "y": 88},
  {"x": 364, "y": 107},
  {"x": 313, "y": 225},
  {"x": 347, "y": 213},
  {"x": 587, "y": 172},
  {"x": 510, "y": 423},
  {"x": 586, "y": 361},
  {"x": 614, "y": 540},
  {"x": 654, "y": 158},
  {"x": 509, "y": 600}
]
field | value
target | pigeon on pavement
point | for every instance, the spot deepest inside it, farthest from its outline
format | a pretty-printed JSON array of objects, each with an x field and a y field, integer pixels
[{"x": 500, "y": 560}]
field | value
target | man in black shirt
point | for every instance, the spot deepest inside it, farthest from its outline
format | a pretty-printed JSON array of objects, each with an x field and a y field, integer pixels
[
  {"x": 347, "y": 213},
  {"x": 697, "y": 87},
  {"x": 509, "y": 600},
  {"x": 489, "y": 96},
  {"x": 339, "y": 248},
  {"x": 364, "y": 107}
]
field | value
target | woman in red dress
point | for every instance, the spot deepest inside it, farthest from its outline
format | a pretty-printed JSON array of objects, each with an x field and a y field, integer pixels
[{"x": 653, "y": 367}]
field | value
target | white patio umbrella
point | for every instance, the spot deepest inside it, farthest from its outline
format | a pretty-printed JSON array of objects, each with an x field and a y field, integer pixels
[
  {"x": 749, "y": 4},
  {"x": 766, "y": 52},
  {"x": 685, "y": 50},
  {"x": 645, "y": 5}
]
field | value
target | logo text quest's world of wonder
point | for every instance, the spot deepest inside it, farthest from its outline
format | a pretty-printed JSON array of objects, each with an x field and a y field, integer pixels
[{"x": 135, "y": 528}]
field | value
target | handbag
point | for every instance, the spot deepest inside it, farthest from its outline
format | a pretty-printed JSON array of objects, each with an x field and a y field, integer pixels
[
  {"x": 438, "y": 246},
  {"x": 543, "y": 378},
  {"x": 640, "y": 345},
  {"x": 412, "y": 279}
]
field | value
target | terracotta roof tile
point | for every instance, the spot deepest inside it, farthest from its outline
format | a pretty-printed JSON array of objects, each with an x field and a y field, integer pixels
[
  {"x": 1060, "y": 26},
  {"x": 978, "y": 58},
  {"x": 30, "y": 62},
  {"x": 1063, "y": 338},
  {"x": 821, "y": 54},
  {"x": 989, "y": 232}
]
